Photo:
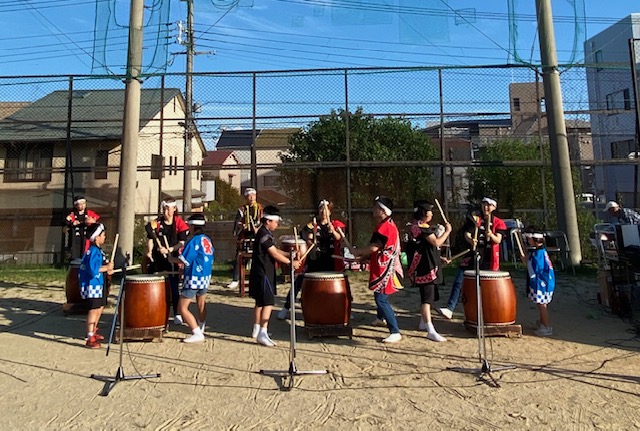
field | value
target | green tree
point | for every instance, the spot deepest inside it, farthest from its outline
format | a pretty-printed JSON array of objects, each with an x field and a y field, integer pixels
[
  {"x": 228, "y": 200},
  {"x": 371, "y": 139}
]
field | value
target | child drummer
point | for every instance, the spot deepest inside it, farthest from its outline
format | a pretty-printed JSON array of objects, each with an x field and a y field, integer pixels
[{"x": 92, "y": 281}]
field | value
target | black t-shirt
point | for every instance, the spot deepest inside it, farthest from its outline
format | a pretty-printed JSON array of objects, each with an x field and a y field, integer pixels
[{"x": 263, "y": 265}]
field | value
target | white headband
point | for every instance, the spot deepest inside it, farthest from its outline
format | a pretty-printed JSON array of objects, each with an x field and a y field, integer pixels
[
  {"x": 490, "y": 202},
  {"x": 386, "y": 209},
  {"x": 168, "y": 204},
  {"x": 97, "y": 233},
  {"x": 323, "y": 202},
  {"x": 250, "y": 191},
  {"x": 534, "y": 235},
  {"x": 272, "y": 217},
  {"x": 196, "y": 222},
  {"x": 80, "y": 201}
]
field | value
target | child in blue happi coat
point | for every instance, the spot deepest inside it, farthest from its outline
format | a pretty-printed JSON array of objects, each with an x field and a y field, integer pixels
[{"x": 542, "y": 280}]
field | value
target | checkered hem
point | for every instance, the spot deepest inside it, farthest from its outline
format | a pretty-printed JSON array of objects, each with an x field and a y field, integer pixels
[
  {"x": 541, "y": 297},
  {"x": 196, "y": 283},
  {"x": 91, "y": 291}
]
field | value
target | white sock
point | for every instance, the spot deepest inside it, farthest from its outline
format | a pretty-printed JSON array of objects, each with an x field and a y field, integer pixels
[
  {"x": 256, "y": 330},
  {"x": 90, "y": 334},
  {"x": 197, "y": 331},
  {"x": 430, "y": 327}
]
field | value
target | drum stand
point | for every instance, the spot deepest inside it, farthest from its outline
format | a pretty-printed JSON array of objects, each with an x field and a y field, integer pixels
[
  {"x": 110, "y": 382},
  {"x": 293, "y": 370},
  {"x": 485, "y": 368}
]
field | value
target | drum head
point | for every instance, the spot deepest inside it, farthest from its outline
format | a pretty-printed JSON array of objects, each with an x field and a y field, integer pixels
[
  {"x": 487, "y": 274},
  {"x": 145, "y": 278},
  {"x": 326, "y": 275}
]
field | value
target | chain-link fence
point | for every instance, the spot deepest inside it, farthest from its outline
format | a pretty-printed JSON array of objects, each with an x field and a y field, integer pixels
[{"x": 300, "y": 136}]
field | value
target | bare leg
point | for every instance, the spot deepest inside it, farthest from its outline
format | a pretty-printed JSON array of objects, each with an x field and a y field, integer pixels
[
  {"x": 544, "y": 314},
  {"x": 93, "y": 317},
  {"x": 202, "y": 307},
  {"x": 187, "y": 316}
]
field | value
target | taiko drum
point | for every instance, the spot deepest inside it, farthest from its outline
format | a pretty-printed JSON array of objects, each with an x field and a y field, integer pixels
[
  {"x": 289, "y": 243},
  {"x": 146, "y": 302},
  {"x": 325, "y": 299},
  {"x": 498, "y": 298},
  {"x": 72, "y": 284}
]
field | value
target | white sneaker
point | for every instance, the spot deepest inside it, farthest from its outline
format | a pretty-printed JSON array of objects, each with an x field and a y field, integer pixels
[
  {"x": 393, "y": 338},
  {"x": 256, "y": 331},
  {"x": 422, "y": 326},
  {"x": 379, "y": 322},
  {"x": 232, "y": 285},
  {"x": 263, "y": 338},
  {"x": 196, "y": 337},
  {"x": 283, "y": 314},
  {"x": 177, "y": 320},
  {"x": 445, "y": 312},
  {"x": 434, "y": 336},
  {"x": 543, "y": 331}
]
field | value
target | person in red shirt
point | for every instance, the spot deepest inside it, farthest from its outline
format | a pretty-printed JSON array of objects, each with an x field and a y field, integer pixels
[
  {"x": 77, "y": 222},
  {"x": 385, "y": 269}
]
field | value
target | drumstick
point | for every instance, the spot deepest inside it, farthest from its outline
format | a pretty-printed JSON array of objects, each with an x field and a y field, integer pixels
[
  {"x": 444, "y": 218},
  {"x": 115, "y": 247},
  {"x": 307, "y": 252},
  {"x": 128, "y": 268},
  {"x": 462, "y": 253},
  {"x": 344, "y": 237},
  {"x": 520, "y": 248},
  {"x": 348, "y": 259}
]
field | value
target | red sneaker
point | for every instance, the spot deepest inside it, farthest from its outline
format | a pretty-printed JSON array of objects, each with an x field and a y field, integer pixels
[
  {"x": 98, "y": 337},
  {"x": 92, "y": 343}
]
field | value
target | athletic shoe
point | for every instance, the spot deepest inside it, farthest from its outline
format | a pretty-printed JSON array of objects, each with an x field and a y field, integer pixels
[
  {"x": 543, "y": 331},
  {"x": 283, "y": 314},
  {"x": 92, "y": 343},
  {"x": 265, "y": 340},
  {"x": 196, "y": 337},
  {"x": 177, "y": 320},
  {"x": 422, "y": 326},
  {"x": 445, "y": 312},
  {"x": 379, "y": 322},
  {"x": 232, "y": 285},
  {"x": 393, "y": 338},
  {"x": 434, "y": 336}
]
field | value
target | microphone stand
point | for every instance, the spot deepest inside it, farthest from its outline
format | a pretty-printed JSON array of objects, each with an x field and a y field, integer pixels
[
  {"x": 110, "y": 382},
  {"x": 485, "y": 365},
  {"x": 293, "y": 370}
]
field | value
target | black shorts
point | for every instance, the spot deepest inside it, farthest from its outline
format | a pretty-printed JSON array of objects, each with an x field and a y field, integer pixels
[
  {"x": 263, "y": 293},
  {"x": 93, "y": 303},
  {"x": 428, "y": 293}
]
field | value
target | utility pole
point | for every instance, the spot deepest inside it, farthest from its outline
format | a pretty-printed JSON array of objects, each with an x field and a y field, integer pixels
[
  {"x": 560, "y": 160},
  {"x": 130, "y": 130},
  {"x": 188, "y": 120}
]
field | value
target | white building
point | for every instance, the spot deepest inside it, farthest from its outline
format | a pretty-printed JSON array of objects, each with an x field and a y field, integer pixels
[{"x": 613, "y": 121}]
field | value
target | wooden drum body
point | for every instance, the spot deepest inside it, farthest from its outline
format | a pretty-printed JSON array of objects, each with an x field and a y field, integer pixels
[
  {"x": 498, "y": 298},
  {"x": 146, "y": 302},
  {"x": 288, "y": 243},
  {"x": 325, "y": 299},
  {"x": 72, "y": 284}
]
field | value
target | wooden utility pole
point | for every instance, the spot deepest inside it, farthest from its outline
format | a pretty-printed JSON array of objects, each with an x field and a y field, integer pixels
[
  {"x": 130, "y": 130},
  {"x": 558, "y": 142}
]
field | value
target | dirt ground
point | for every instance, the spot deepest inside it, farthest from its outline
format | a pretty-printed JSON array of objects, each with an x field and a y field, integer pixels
[{"x": 586, "y": 376}]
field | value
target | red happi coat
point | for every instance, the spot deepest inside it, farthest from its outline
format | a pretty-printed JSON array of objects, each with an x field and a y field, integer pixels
[{"x": 385, "y": 267}]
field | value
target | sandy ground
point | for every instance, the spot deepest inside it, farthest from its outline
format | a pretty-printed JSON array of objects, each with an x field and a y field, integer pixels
[{"x": 586, "y": 376}]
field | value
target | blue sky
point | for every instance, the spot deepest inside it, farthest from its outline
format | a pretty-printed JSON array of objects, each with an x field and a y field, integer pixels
[{"x": 57, "y": 36}]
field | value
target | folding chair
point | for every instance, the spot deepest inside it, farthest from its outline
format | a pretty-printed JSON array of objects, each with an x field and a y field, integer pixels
[{"x": 556, "y": 243}]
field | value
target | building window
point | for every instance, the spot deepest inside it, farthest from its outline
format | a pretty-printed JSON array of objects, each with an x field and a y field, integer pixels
[
  {"x": 28, "y": 162},
  {"x": 270, "y": 181},
  {"x": 516, "y": 104},
  {"x": 619, "y": 100},
  {"x": 622, "y": 149},
  {"x": 102, "y": 164},
  {"x": 157, "y": 166}
]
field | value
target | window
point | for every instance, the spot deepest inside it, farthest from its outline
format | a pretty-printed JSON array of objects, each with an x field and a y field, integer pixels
[
  {"x": 157, "y": 166},
  {"x": 28, "y": 162},
  {"x": 102, "y": 163},
  {"x": 619, "y": 100},
  {"x": 621, "y": 149},
  {"x": 516, "y": 104}
]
